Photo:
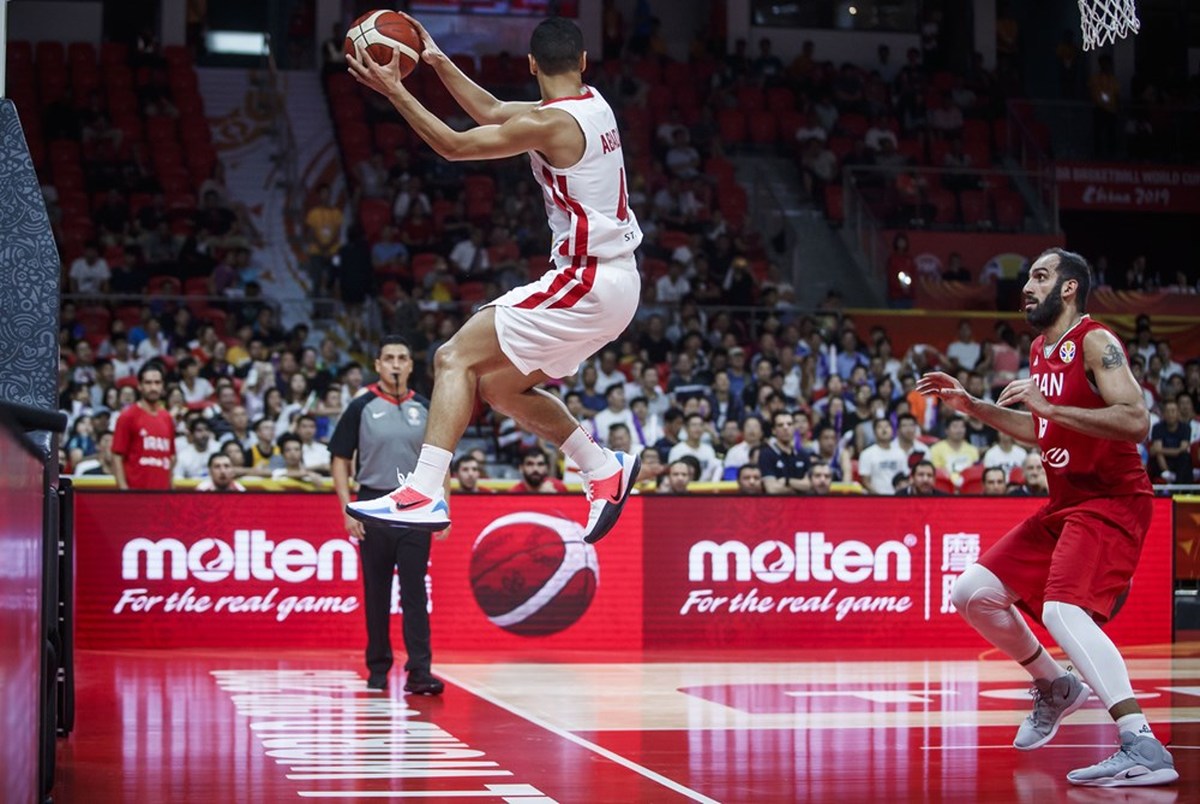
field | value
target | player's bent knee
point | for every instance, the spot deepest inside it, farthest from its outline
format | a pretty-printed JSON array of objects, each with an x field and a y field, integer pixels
[{"x": 977, "y": 589}]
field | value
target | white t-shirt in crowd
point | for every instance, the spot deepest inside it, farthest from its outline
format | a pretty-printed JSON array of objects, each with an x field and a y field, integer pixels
[
  {"x": 878, "y": 466},
  {"x": 90, "y": 278}
]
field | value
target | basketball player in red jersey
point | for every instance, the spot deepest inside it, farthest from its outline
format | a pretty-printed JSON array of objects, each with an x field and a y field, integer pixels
[
  {"x": 144, "y": 442},
  {"x": 1070, "y": 564},
  {"x": 547, "y": 328}
]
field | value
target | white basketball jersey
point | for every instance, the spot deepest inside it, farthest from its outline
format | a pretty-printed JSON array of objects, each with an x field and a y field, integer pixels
[{"x": 587, "y": 204}]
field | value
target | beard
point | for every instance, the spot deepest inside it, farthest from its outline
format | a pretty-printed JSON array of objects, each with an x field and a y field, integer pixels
[
  {"x": 1048, "y": 310},
  {"x": 534, "y": 479}
]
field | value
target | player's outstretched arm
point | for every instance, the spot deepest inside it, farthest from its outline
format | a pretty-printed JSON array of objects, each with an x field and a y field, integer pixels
[
  {"x": 483, "y": 107},
  {"x": 1124, "y": 417},
  {"x": 539, "y": 130},
  {"x": 1016, "y": 423}
]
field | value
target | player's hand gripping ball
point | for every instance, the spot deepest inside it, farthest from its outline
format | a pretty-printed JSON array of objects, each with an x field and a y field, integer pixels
[{"x": 384, "y": 35}]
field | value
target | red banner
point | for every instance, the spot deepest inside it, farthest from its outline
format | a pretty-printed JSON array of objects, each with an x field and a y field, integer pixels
[
  {"x": 1128, "y": 188},
  {"x": 270, "y": 570},
  {"x": 852, "y": 572},
  {"x": 159, "y": 570}
]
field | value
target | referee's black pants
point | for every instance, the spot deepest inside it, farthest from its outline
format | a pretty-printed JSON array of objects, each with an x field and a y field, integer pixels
[{"x": 406, "y": 551}]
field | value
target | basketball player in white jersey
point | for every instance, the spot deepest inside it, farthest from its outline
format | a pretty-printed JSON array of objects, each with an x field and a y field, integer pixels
[{"x": 546, "y": 328}]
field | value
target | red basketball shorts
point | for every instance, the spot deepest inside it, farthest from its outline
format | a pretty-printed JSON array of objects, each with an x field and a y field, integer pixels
[{"x": 1084, "y": 554}]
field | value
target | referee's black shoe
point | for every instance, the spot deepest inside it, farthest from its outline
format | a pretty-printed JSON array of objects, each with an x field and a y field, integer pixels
[
  {"x": 377, "y": 681},
  {"x": 422, "y": 682}
]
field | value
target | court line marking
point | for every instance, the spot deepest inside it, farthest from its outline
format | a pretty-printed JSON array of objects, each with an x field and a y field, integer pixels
[
  {"x": 510, "y": 792},
  {"x": 625, "y": 762},
  {"x": 1063, "y": 745}
]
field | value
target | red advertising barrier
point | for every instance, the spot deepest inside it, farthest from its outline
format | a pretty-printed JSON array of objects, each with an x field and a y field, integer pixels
[
  {"x": 1128, "y": 188},
  {"x": 852, "y": 572},
  {"x": 157, "y": 570},
  {"x": 267, "y": 570}
]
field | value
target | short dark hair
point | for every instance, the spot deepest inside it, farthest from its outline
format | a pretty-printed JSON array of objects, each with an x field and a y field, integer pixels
[
  {"x": 1074, "y": 266},
  {"x": 921, "y": 463},
  {"x": 199, "y": 421},
  {"x": 530, "y": 452},
  {"x": 153, "y": 365},
  {"x": 287, "y": 438},
  {"x": 744, "y": 467},
  {"x": 991, "y": 469},
  {"x": 461, "y": 459},
  {"x": 556, "y": 44},
  {"x": 393, "y": 340},
  {"x": 216, "y": 455},
  {"x": 672, "y": 415}
]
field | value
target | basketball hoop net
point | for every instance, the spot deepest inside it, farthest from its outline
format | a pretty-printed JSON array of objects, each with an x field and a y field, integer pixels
[{"x": 1106, "y": 21}]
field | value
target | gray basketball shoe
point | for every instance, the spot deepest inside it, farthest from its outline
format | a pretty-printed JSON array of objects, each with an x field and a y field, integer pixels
[
  {"x": 1052, "y": 702},
  {"x": 1141, "y": 761}
]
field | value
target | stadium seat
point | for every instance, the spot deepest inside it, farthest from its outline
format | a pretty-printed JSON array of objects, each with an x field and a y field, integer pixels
[
  {"x": 751, "y": 99},
  {"x": 1010, "y": 209},
  {"x": 731, "y": 123},
  {"x": 677, "y": 74},
  {"x": 390, "y": 135},
  {"x": 942, "y": 482},
  {"x": 976, "y": 211},
  {"x": 374, "y": 214},
  {"x": 762, "y": 127},
  {"x": 972, "y": 479},
  {"x": 946, "y": 205},
  {"x": 853, "y": 126},
  {"x": 780, "y": 99}
]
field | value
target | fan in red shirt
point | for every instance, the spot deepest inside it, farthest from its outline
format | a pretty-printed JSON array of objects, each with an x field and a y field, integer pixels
[
  {"x": 144, "y": 442},
  {"x": 1070, "y": 564},
  {"x": 535, "y": 474}
]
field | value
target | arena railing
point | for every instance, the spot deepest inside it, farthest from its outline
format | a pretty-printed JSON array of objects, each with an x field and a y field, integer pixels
[{"x": 1045, "y": 130}]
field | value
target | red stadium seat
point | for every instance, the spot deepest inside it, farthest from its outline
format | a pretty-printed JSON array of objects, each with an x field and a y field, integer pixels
[
  {"x": 1010, "y": 209},
  {"x": 945, "y": 205},
  {"x": 374, "y": 214},
  {"x": 390, "y": 135},
  {"x": 50, "y": 55},
  {"x": 422, "y": 264},
  {"x": 762, "y": 127},
  {"x": 751, "y": 99},
  {"x": 732, "y": 125},
  {"x": 853, "y": 126},
  {"x": 914, "y": 149},
  {"x": 942, "y": 482},
  {"x": 840, "y": 146},
  {"x": 972, "y": 480},
  {"x": 780, "y": 99},
  {"x": 976, "y": 210}
]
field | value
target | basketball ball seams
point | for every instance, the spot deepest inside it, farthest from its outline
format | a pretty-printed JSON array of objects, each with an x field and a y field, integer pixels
[{"x": 532, "y": 574}]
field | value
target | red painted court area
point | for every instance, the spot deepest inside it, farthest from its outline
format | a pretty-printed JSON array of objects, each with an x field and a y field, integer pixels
[{"x": 902, "y": 725}]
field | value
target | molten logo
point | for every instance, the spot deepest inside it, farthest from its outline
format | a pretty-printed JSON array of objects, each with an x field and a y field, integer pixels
[
  {"x": 251, "y": 556},
  {"x": 1056, "y": 457},
  {"x": 808, "y": 558}
]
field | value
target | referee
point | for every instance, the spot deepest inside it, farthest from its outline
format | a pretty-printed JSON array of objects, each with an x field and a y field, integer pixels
[{"x": 384, "y": 427}]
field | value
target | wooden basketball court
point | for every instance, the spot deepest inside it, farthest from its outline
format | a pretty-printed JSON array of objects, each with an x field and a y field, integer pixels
[{"x": 892, "y": 725}]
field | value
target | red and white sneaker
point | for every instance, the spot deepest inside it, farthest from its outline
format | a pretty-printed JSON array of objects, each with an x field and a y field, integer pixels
[
  {"x": 607, "y": 495},
  {"x": 404, "y": 508}
]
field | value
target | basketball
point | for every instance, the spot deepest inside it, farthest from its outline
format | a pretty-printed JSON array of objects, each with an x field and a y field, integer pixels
[
  {"x": 532, "y": 574},
  {"x": 382, "y": 34}
]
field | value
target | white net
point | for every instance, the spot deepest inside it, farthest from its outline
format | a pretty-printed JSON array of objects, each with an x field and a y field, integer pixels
[{"x": 1105, "y": 21}]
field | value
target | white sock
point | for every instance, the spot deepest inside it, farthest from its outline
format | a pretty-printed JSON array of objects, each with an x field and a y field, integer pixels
[
  {"x": 586, "y": 453},
  {"x": 1135, "y": 723},
  {"x": 432, "y": 466}
]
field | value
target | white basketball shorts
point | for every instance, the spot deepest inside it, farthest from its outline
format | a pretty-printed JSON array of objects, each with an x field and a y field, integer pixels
[{"x": 562, "y": 319}]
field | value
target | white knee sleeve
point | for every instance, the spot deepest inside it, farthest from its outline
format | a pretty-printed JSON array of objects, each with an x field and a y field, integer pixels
[
  {"x": 987, "y": 604},
  {"x": 1090, "y": 650}
]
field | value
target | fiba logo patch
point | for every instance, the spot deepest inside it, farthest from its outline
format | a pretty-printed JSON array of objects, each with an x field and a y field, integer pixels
[
  {"x": 532, "y": 574},
  {"x": 1066, "y": 352},
  {"x": 1056, "y": 457}
]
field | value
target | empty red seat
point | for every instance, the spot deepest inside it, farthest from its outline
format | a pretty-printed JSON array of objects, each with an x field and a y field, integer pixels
[
  {"x": 50, "y": 55},
  {"x": 1010, "y": 209},
  {"x": 945, "y": 205},
  {"x": 762, "y": 127},
  {"x": 976, "y": 210},
  {"x": 374, "y": 214},
  {"x": 853, "y": 125},
  {"x": 732, "y": 125},
  {"x": 834, "y": 203}
]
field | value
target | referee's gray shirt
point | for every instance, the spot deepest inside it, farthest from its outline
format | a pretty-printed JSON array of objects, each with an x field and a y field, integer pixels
[{"x": 386, "y": 432}]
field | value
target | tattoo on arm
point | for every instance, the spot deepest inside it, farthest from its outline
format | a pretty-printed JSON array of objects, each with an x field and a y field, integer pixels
[{"x": 1113, "y": 357}]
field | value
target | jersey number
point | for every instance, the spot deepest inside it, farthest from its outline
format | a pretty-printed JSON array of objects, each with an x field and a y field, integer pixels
[{"x": 622, "y": 200}]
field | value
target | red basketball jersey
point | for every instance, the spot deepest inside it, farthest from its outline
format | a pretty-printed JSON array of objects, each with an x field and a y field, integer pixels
[
  {"x": 147, "y": 442},
  {"x": 1079, "y": 467}
]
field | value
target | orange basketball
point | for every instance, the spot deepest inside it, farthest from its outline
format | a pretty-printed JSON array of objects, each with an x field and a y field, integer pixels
[{"x": 384, "y": 34}]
